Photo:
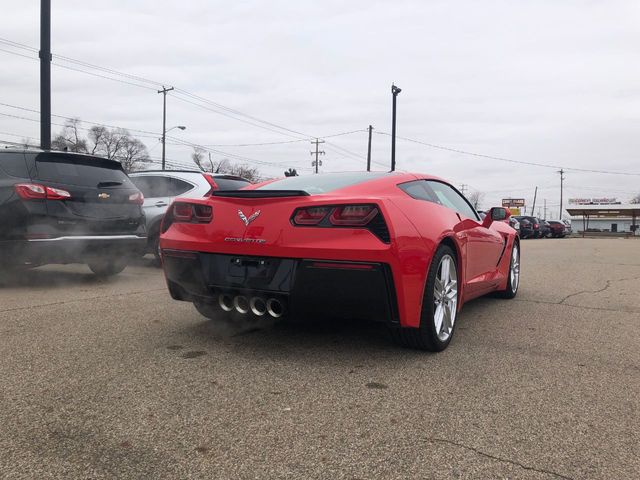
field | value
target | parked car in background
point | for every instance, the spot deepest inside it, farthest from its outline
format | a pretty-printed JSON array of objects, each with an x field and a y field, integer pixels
[
  {"x": 161, "y": 187},
  {"x": 545, "y": 229},
  {"x": 531, "y": 227},
  {"x": 558, "y": 229},
  {"x": 515, "y": 224},
  {"x": 58, "y": 207},
  {"x": 567, "y": 227}
]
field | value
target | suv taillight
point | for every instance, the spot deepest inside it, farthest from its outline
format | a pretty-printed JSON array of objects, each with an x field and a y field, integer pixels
[
  {"x": 34, "y": 191},
  {"x": 137, "y": 198},
  {"x": 210, "y": 181}
]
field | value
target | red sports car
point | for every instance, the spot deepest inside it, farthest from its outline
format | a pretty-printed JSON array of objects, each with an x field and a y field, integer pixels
[{"x": 405, "y": 249}]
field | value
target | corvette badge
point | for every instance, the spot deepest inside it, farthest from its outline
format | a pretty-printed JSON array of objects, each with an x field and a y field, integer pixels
[{"x": 246, "y": 220}]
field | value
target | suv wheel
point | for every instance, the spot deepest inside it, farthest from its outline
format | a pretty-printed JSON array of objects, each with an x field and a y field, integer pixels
[{"x": 106, "y": 267}]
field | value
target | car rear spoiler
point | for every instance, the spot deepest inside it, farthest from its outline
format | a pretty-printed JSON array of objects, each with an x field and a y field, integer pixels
[{"x": 259, "y": 193}]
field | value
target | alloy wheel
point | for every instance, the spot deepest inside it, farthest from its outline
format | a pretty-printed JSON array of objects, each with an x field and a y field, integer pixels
[
  {"x": 445, "y": 298},
  {"x": 515, "y": 268}
]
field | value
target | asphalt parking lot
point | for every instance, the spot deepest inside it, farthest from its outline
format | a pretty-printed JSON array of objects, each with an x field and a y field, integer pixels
[{"x": 113, "y": 379}]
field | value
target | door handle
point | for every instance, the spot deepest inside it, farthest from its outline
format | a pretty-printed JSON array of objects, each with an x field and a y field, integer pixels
[{"x": 161, "y": 204}]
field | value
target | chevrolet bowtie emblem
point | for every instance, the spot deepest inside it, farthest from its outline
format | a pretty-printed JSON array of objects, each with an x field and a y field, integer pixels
[
  {"x": 246, "y": 220},
  {"x": 103, "y": 196}
]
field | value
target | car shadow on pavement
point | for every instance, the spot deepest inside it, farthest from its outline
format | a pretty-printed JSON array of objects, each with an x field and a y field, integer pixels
[
  {"x": 51, "y": 276},
  {"x": 302, "y": 340}
]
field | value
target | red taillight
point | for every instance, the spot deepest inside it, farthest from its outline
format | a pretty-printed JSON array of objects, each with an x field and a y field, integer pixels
[
  {"x": 353, "y": 215},
  {"x": 192, "y": 213},
  {"x": 30, "y": 191},
  {"x": 202, "y": 213},
  {"x": 182, "y": 212},
  {"x": 33, "y": 191},
  {"x": 310, "y": 216},
  {"x": 535, "y": 225},
  {"x": 137, "y": 198}
]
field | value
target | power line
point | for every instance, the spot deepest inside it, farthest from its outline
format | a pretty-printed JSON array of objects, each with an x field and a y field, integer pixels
[
  {"x": 502, "y": 159},
  {"x": 280, "y": 129}
]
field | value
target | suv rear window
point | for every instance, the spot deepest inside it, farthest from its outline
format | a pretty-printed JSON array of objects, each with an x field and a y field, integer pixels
[
  {"x": 14, "y": 164},
  {"x": 326, "y": 182},
  {"x": 79, "y": 170}
]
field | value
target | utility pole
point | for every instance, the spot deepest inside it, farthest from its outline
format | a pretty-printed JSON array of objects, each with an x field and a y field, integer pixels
[
  {"x": 561, "y": 172},
  {"x": 316, "y": 163},
  {"x": 369, "y": 150},
  {"x": 394, "y": 92},
  {"x": 164, "y": 120},
  {"x": 533, "y": 209},
  {"x": 545, "y": 208},
  {"x": 45, "y": 74},
  {"x": 463, "y": 188}
]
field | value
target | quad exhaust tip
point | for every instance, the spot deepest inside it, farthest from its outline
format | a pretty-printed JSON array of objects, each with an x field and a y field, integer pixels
[
  {"x": 241, "y": 303},
  {"x": 256, "y": 305},
  {"x": 275, "y": 307},
  {"x": 226, "y": 302}
]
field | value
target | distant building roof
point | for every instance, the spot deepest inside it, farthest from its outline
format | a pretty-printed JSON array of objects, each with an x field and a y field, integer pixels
[{"x": 605, "y": 211}]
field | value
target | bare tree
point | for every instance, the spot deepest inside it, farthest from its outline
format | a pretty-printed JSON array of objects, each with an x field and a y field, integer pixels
[
  {"x": 239, "y": 169},
  {"x": 475, "y": 198},
  {"x": 115, "y": 144},
  {"x": 69, "y": 139},
  {"x": 198, "y": 157}
]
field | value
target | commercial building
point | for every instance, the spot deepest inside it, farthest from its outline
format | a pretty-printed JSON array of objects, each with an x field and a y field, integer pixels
[{"x": 613, "y": 218}]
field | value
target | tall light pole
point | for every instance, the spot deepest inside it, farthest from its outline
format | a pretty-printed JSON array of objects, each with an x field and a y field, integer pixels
[
  {"x": 163, "y": 138},
  {"x": 45, "y": 74},
  {"x": 394, "y": 92},
  {"x": 561, "y": 172},
  {"x": 164, "y": 119},
  {"x": 369, "y": 150}
]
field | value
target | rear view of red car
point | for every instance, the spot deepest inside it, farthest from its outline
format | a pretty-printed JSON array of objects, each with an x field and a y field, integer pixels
[{"x": 404, "y": 249}]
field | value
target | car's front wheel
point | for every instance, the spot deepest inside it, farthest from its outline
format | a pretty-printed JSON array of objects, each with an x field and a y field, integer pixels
[
  {"x": 513, "y": 278},
  {"x": 439, "y": 306},
  {"x": 107, "y": 267}
]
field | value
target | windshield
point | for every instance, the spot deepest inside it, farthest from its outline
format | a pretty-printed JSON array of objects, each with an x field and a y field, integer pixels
[{"x": 327, "y": 182}]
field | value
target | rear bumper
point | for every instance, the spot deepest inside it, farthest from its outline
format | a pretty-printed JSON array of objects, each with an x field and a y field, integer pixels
[
  {"x": 71, "y": 249},
  {"x": 306, "y": 287}
]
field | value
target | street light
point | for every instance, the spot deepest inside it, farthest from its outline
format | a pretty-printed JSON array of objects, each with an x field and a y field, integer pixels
[
  {"x": 164, "y": 135},
  {"x": 394, "y": 91}
]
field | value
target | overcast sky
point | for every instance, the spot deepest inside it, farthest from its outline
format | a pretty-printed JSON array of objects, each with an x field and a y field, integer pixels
[{"x": 553, "y": 82}]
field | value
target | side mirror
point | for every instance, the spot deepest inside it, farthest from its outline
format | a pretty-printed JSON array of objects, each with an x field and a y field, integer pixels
[{"x": 496, "y": 214}]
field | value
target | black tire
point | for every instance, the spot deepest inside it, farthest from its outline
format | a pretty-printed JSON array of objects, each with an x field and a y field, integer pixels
[
  {"x": 154, "y": 246},
  {"x": 107, "y": 267},
  {"x": 510, "y": 292},
  {"x": 425, "y": 337}
]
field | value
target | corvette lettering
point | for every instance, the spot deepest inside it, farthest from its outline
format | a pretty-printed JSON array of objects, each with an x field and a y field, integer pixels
[{"x": 245, "y": 240}]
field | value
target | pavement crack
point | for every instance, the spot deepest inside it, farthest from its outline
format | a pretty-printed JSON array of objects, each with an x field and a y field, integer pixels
[
  {"x": 607, "y": 285},
  {"x": 499, "y": 459}
]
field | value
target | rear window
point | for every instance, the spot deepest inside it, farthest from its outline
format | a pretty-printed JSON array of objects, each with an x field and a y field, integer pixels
[
  {"x": 154, "y": 186},
  {"x": 323, "y": 183},
  {"x": 14, "y": 164},
  {"x": 230, "y": 183},
  {"x": 80, "y": 170}
]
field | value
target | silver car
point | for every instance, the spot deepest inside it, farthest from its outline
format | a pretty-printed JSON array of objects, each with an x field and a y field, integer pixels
[{"x": 161, "y": 187}]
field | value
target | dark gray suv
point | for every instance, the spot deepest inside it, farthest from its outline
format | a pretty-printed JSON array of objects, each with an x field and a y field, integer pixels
[{"x": 58, "y": 207}]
